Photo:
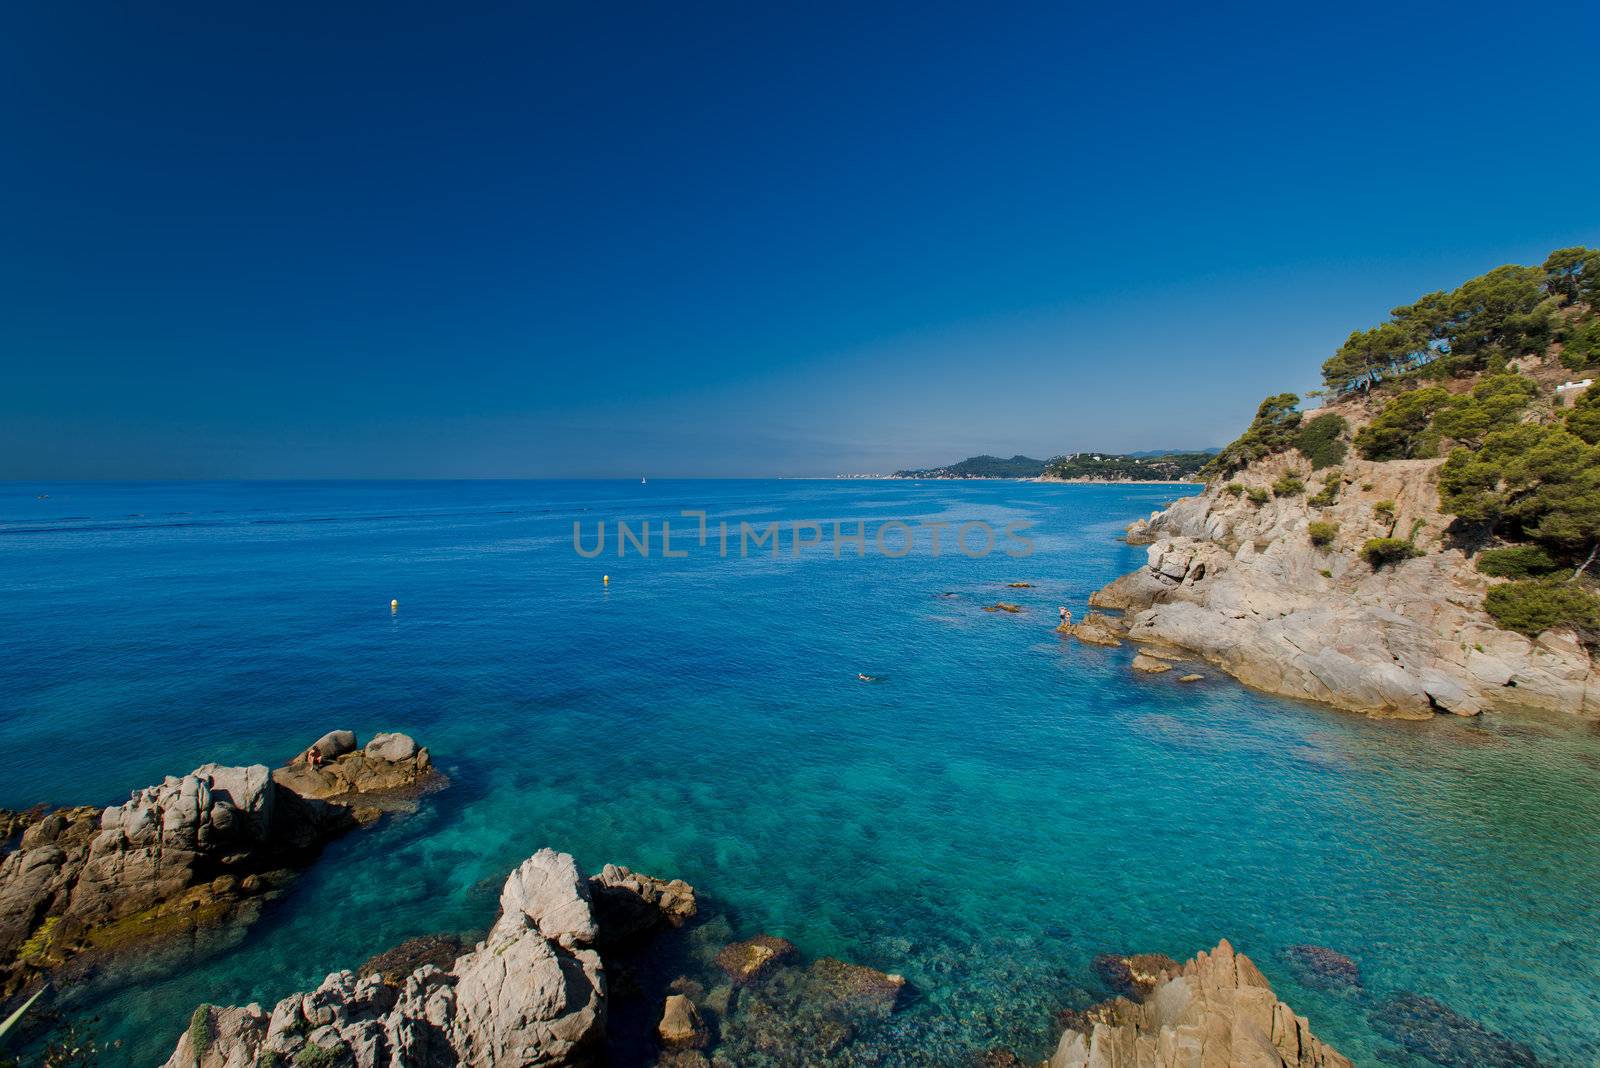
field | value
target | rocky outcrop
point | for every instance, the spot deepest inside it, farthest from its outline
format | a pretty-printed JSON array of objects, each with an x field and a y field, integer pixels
[
  {"x": 191, "y": 852},
  {"x": 1216, "y": 1011},
  {"x": 1242, "y": 585},
  {"x": 629, "y": 904},
  {"x": 531, "y": 994}
]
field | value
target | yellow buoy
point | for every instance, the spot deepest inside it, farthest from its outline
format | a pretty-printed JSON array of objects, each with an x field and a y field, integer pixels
[
  {"x": 605, "y": 580},
  {"x": 394, "y": 604}
]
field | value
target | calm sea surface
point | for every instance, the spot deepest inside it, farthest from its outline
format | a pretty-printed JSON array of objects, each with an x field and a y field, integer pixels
[{"x": 995, "y": 810}]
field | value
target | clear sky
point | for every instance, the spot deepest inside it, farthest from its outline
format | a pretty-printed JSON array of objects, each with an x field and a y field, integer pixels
[{"x": 447, "y": 240}]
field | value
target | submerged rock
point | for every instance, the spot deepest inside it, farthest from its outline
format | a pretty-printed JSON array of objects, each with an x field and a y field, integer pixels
[
  {"x": 393, "y": 965},
  {"x": 1431, "y": 1029},
  {"x": 1150, "y": 665},
  {"x": 1216, "y": 1010},
  {"x": 748, "y": 961},
  {"x": 192, "y": 852},
  {"x": 1324, "y": 969},
  {"x": 805, "y": 1016},
  {"x": 1191, "y": 677},
  {"x": 1135, "y": 976},
  {"x": 532, "y": 993},
  {"x": 1002, "y": 606}
]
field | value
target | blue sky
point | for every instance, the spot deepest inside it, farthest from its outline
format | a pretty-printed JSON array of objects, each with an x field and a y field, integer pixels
[{"x": 397, "y": 240}]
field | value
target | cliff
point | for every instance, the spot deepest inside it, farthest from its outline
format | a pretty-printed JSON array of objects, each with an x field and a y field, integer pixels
[{"x": 1243, "y": 585}]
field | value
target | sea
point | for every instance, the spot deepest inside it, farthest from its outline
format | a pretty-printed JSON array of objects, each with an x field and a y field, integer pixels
[{"x": 987, "y": 812}]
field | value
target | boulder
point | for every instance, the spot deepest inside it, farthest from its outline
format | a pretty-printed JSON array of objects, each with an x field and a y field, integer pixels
[
  {"x": 335, "y": 744},
  {"x": 681, "y": 1026},
  {"x": 1191, "y": 677}
]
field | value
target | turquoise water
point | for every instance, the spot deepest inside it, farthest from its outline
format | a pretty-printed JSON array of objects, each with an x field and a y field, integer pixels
[{"x": 994, "y": 811}]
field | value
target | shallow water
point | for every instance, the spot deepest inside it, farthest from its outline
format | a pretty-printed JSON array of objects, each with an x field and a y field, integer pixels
[{"x": 994, "y": 811}]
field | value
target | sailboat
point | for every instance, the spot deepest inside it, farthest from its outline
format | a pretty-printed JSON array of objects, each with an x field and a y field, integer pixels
[{"x": 641, "y": 480}]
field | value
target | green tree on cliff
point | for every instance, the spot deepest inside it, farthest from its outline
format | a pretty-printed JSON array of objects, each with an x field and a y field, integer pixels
[
  {"x": 1533, "y": 482},
  {"x": 1273, "y": 430}
]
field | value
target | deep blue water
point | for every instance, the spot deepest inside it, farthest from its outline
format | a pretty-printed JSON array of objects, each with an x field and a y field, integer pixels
[{"x": 998, "y": 808}]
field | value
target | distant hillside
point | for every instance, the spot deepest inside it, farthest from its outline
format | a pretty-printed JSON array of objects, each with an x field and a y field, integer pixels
[
  {"x": 982, "y": 467},
  {"x": 1138, "y": 467}
]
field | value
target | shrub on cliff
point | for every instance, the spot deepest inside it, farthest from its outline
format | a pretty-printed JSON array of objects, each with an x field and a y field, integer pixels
[
  {"x": 1533, "y": 606},
  {"x": 1234, "y": 489},
  {"x": 1257, "y": 495},
  {"x": 1288, "y": 486},
  {"x": 1322, "y": 533},
  {"x": 1518, "y": 561},
  {"x": 1380, "y": 552},
  {"x": 1328, "y": 495},
  {"x": 1272, "y": 431},
  {"x": 1322, "y": 440}
]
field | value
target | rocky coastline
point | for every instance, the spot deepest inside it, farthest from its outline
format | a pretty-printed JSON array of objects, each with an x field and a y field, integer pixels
[
  {"x": 1237, "y": 579},
  {"x": 190, "y": 853},
  {"x": 539, "y": 989}
]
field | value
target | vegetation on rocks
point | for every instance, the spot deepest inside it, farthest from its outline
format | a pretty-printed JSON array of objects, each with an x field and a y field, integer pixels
[
  {"x": 1517, "y": 561},
  {"x": 1274, "y": 429},
  {"x": 1382, "y": 551},
  {"x": 1533, "y": 606},
  {"x": 1321, "y": 440},
  {"x": 1508, "y": 312},
  {"x": 1322, "y": 533},
  {"x": 1289, "y": 485}
]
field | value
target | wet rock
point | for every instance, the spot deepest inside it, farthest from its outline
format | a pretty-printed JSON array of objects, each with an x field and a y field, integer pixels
[
  {"x": 1216, "y": 1010},
  {"x": 748, "y": 961},
  {"x": 1150, "y": 665},
  {"x": 1001, "y": 1058},
  {"x": 393, "y": 965},
  {"x": 681, "y": 1026},
  {"x": 1096, "y": 630},
  {"x": 1191, "y": 677},
  {"x": 1429, "y": 1028},
  {"x": 1136, "y": 975},
  {"x": 388, "y": 774},
  {"x": 1322, "y": 968},
  {"x": 628, "y": 905},
  {"x": 855, "y": 987},
  {"x": 1002, "y": 606}
]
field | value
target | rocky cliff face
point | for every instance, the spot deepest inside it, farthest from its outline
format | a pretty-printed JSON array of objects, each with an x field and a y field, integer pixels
[
  {"x": 1242, "y": 585},
  {"x": 532, "y": 993},
  {"x": 189, "y": 852},
  {"x": 1216, "y": 1011}
]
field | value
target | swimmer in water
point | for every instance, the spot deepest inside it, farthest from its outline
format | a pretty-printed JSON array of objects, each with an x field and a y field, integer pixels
[{"x": 866, "y": 678}]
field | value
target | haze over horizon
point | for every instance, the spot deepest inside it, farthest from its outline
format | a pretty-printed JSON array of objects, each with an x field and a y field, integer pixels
[{"x": 545, "y": 241}]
